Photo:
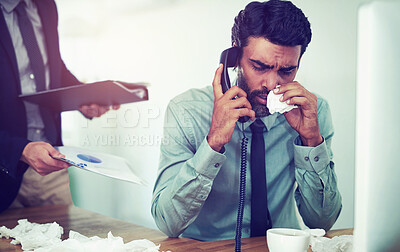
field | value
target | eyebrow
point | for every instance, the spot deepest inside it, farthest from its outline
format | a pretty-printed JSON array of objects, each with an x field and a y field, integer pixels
[
  {"x": 266, "y": 66},
  {"x": 261, "y": 64},
  {"x": 287, "y": 69}
]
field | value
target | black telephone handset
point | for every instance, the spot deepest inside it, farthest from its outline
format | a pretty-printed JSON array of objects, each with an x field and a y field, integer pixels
[{"x": 229, "y": 58}]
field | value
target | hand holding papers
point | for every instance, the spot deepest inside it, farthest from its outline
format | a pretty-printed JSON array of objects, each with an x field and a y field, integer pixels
[{"x": 100, "y": 163}]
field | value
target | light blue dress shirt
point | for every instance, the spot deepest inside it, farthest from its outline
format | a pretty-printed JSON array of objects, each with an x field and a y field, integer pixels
[{"x": 196, "y": 193}]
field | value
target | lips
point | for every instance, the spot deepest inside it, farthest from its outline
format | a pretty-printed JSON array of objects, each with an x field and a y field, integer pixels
[{"x": 262, "y": 99}]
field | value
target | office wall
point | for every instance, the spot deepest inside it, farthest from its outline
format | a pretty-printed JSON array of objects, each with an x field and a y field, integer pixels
[{"x": 175, "y": 45}]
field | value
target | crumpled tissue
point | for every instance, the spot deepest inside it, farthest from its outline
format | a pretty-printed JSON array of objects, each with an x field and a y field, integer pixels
[
  {"x": 343, "y": 243},
  {"x": 33, "y": 235},
  {"x": 47, "y": 238},
  {"x": 275, "y": 105},
  {"x": 80, "y": 243}
]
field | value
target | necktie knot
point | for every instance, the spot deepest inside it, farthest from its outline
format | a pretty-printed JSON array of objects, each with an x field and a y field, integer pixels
[
  {"x": 20, "y": 9},
  {"x": 257, "y": 127}
]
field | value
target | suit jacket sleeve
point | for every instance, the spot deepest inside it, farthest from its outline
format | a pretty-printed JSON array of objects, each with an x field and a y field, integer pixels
[{"x": 11, "y": 168}]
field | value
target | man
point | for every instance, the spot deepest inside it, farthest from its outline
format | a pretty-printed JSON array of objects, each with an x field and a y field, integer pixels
[
  {"x": 196, "y": 193},
  {"x": 27, "y": 132}
]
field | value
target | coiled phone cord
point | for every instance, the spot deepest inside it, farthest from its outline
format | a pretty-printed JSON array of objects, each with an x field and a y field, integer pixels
[{"x": 242, "y": 191}]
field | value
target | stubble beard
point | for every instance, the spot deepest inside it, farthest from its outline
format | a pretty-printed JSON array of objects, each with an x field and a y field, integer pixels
[{"x": 260, "y": 109}]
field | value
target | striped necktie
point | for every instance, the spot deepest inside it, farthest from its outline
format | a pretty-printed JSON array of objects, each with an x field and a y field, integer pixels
[{"x": 32, "y": 47}]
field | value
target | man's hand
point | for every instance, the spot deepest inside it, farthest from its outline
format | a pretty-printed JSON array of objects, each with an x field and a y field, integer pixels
[
  {"x": 94, "y": 110},
  {"x": 39, "y": 156},
  {"x": 303, "y": 119},
  {"x": 226, "y": 112}
]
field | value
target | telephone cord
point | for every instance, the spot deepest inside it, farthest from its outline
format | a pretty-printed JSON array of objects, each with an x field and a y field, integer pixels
[{"x": 242, "y": 191}]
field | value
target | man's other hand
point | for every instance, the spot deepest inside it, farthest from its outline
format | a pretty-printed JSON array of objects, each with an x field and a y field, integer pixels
[
  {"x": 303, "y": 119},
  {"x": 95, "y": 110}
]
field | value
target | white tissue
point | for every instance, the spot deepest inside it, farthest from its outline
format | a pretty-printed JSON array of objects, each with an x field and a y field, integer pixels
[
  {"x": 343, "y": 243},
  {"x": 275, "y": 105},
  {"x": 316, "y": 232},
  {"x": 80, "y": 243},
  {"x": 47, "y": 238},
  {"x": 32, "y": 235}
]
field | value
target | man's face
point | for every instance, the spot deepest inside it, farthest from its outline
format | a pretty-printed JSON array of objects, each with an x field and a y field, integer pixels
[{"x": 262, "y": 67}]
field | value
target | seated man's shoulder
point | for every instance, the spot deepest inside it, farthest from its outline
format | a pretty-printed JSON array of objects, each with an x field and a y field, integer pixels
[
  {"x": 322, "y": 103},
  {"x": 195, "y": 96}
]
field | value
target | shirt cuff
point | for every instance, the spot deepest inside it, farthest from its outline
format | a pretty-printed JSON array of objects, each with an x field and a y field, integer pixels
[
  {"x": 208, "y": 161},
  {"x": 313, "y": 159}
]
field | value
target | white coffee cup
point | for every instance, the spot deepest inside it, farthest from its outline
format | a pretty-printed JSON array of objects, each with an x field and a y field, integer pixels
[{"x": 287, "y": 240}]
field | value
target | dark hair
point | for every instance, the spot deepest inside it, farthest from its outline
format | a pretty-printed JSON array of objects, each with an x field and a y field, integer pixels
[{"x": 281, "y": 22}]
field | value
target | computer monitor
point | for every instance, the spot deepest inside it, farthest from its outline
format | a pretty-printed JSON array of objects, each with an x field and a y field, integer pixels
[{"x": 377, "y": 185}]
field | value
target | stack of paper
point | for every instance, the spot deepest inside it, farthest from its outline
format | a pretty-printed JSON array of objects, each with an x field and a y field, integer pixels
[{"x": 100, "y": 163}]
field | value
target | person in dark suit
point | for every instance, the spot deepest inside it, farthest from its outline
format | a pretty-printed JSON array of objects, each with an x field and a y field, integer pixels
[{"x": 27, "y": 131}]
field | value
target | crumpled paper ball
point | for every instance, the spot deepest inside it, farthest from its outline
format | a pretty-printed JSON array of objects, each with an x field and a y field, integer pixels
[
  {"x": 275, "y": 105},
  {"x": 343, "y": 243}
]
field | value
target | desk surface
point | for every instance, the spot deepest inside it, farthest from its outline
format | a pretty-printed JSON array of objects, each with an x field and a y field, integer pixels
[{"x": 91, "y": 224}]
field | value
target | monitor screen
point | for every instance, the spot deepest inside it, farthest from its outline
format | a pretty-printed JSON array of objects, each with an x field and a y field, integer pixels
[{"x": 377, "y": 198}]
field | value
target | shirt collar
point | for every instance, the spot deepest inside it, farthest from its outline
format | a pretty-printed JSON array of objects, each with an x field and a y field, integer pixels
[
  {"x": 269, "y": 122},
  {"x": 9, "y": 5}
]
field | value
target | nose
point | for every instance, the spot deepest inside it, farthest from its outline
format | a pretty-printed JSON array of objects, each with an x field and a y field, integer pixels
[{"x": 270, "y": 80}]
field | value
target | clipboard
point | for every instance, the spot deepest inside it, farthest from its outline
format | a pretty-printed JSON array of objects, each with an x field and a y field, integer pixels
[{"x": 103, "y": 93}]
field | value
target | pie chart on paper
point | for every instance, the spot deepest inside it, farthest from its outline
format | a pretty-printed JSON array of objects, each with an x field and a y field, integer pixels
[{"x": 89, "y": 158}]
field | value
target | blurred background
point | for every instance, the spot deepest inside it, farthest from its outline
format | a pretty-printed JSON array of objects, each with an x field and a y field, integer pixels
[{"x": 175, "y": 45}]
